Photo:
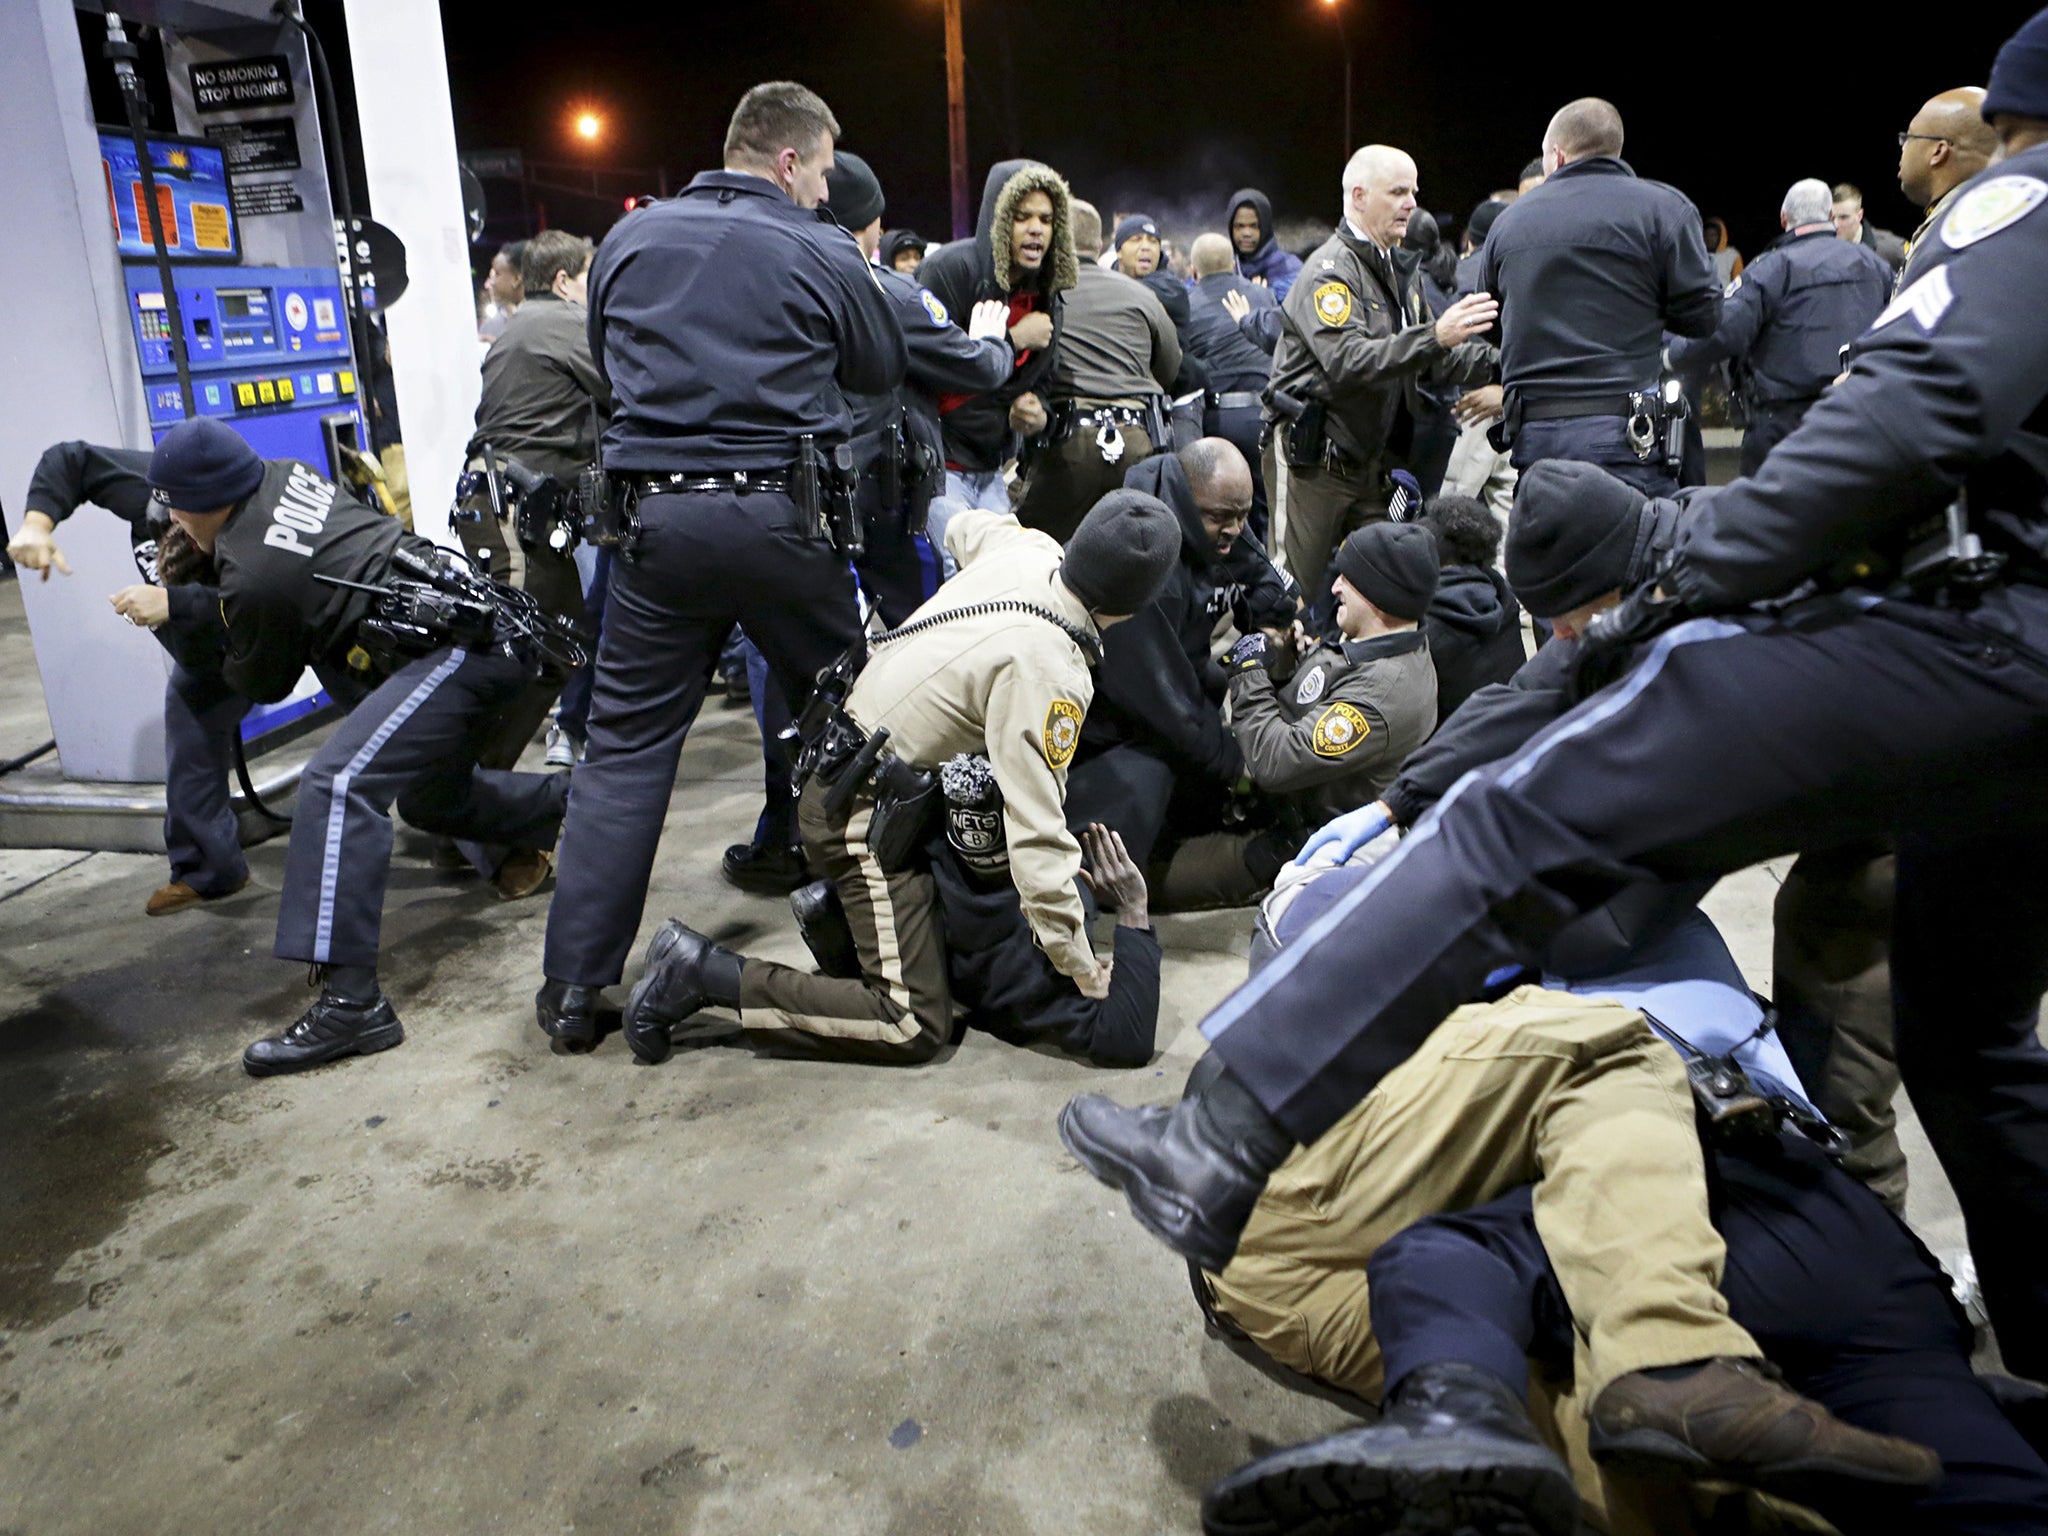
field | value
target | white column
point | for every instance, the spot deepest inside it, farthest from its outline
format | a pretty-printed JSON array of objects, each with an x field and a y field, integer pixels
[{"x": 401, "y": 80}]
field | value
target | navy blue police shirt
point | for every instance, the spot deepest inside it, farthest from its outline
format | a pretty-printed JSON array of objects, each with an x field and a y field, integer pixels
[
  {"x": 1948, "y": 388},
  {"x": 728, "y": 321},
  {"x": 1591, "y": 268},
  {"x": 1787, "y": 318}
]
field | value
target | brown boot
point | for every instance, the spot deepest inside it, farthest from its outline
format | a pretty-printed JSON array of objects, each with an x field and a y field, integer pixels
[
  {"x": 524, "y": 871},
  {"x": 1733, "y": 1419},
  {"x": 177, "y": 896}
]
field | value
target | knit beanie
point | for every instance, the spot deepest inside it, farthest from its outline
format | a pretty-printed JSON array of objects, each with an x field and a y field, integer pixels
[
  {"x": 1119, "y": 557},
  {"x": 1132, "y": 224},
  {"x": 2019, "y": 75},
  {"x": 1393, "y": 565},
  {"x": 1571, "y": 536},
  {"x": 852, "y": 192},
  {"x": 203, "y": 465}
]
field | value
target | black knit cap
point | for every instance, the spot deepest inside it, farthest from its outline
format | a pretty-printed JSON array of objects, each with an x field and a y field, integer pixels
[
  {"x": 1131, "y": 225},
  {"x": 1119, "y": 557},
  {"x": 2019, "y": 75},
  {"x": 1393, "y": 565},
  {"x": 852, "y": 192},
  {"x": 1571, "y": 536},
  {"x": 1482, "y": 220},
  {"x": 203, "y": 465}
]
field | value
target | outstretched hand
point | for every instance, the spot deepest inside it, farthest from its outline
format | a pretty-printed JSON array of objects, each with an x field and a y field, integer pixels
[{"x": 1113, "y": 875}]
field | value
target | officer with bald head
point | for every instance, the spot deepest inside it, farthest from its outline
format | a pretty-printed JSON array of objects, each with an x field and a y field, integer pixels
[
  {"x": 1591, "y": 268},
  {"x": 1356, "y": 343},
  {"x": 1945, "y": 144}
]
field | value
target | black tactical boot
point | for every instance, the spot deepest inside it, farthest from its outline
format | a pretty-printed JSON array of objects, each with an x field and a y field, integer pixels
[
  {"x": 351, "y": 1017},
  {"x": 567, "y": 1013},
  {"x": 1191, "y": 1173},
  {"x": 683, "y": 972},
  {"x": 821, "y": 919},
  {"x": 1453, "y": 1455},
  {"x": 765, "y": 869}
]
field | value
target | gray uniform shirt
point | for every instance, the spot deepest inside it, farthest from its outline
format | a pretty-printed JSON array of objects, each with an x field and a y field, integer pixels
[
  {"x": 539, "y": 389},
  {"x": 1118, "y": 344}
]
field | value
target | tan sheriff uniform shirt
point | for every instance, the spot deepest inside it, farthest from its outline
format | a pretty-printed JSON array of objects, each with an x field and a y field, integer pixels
[{"x": 1007, "y": 684}]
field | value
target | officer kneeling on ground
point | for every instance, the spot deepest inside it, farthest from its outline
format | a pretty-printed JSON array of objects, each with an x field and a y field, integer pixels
[
  {"x": 998, "y": 662},
  {"x": 299, "y": 567}
]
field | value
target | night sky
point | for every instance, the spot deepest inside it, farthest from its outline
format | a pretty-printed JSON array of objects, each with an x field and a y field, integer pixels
[{"x": 1168, "y": 107}]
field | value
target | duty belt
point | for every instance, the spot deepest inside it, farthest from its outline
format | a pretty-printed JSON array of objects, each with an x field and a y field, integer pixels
[
  {"x": 1565, "y": 409},
  {"x": 1236, "y": 400},
  {"x": 684, "y": 482}
]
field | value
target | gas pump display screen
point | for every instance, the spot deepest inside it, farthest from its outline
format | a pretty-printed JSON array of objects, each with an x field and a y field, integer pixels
[{"x": 192, "y": 198}]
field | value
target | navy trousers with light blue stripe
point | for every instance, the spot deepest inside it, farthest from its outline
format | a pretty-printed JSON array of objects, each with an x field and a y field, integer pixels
[
  {"x": 413, "y": 741},
  {"x": 1729, "y": 744}
]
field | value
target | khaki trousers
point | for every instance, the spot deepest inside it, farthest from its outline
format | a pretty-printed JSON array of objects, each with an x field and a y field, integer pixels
[
  {"x": 1542, "y": 1086},
  {"x": 1481, "y": 471},
  {"x": 1311, "y": 510},
  {"x": 899, "y": 1010},
  {"x": 1070, "y": 477}
]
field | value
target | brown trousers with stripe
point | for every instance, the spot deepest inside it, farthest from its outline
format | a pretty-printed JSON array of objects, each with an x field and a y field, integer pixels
[{"x": 899, "y": 1011}]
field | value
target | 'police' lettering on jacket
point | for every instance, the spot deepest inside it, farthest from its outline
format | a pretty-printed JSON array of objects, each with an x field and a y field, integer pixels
[{"x": 303, "y": 508}]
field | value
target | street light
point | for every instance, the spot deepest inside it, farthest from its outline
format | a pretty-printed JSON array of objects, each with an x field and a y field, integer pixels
[
  {"x": 1336, "y": 8},
  {"x": 589, "y": 127}
]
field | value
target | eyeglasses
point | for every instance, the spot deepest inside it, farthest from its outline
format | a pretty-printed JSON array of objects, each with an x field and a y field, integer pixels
[{"x": 1934, "y": 138}]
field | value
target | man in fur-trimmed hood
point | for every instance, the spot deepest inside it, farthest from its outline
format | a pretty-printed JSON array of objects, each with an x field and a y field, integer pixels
[{"x": 1022, "y": 253}]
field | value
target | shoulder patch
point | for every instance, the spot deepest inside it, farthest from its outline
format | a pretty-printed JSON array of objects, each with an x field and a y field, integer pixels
[
  {"x": 1734, "y": 283},
  {"x": 1333, "y": 303},
  {"x": 1311, "y": 686},
  {"x": 1926, "y": 299},
  {"x": 933, "y": 307},
  {"x": 1338, "y": 729},
  {"x": 1062, "y": 732},
  {"x": 1998, "y": 204}
]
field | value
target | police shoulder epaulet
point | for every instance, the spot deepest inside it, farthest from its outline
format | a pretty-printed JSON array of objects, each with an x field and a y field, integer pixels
[
  {"x": 1338, "y": 729},
  {"x": 1998, "y": 204},
  {"x": 1062, "y": 732}
]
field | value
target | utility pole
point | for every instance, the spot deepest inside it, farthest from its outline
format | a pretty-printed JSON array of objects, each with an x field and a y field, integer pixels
[
  {"x": 1344, "y": 44},
  {"x": 956, "y": 119}
]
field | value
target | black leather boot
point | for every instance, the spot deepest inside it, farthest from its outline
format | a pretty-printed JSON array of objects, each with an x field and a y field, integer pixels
[
  {"x": 764, "y": 869},
  {"x": 683, "y": 972},
  {"x": 821, "y": 919},
  {"x": 351, "y": 1017},
  {"x": 567, "y": 1013},
  {"x": 1191, "y": 1173},
  {"x": 1453, "y": 1453}
]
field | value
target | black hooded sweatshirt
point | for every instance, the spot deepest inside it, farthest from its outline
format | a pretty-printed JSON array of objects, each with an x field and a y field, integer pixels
[
  {"x": 1157, "y": 686},
  {"x": 963, "y": 273},
  {"x": 1474, "y": 627},
  {"x": 1276, "y": 266}
]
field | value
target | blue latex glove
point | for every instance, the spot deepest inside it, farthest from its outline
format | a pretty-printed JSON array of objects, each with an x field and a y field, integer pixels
[
  {"x": 1350, "y": 832},
  {"x": 1249, "y": 653}
]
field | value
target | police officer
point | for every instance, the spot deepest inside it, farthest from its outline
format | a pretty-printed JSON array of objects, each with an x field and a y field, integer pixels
[
  {"x": 1786, "y": 319},
  {"x": 730, "y": 320},
  {"x": 1944, "y": 146},
  {"x": 1336, "y": 730},
  {"x": 1106, "y": 397},
  {"x": 543, "y": 406},
  {"x": 997, "y": 663},
  {"x": 1912, "y": 705},
  {"x": 1239, "y": 366},
  {"x": 201, "y": 713},
  {"x": 1356, "y": 341},
  {"x": 897, "y": 442},
  {"x": 273, "y": 529},
  {"x": 1591, "y": 268}
]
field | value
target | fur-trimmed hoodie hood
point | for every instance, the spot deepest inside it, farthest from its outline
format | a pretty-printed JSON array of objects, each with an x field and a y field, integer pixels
[{"x": 999, "y": 199}]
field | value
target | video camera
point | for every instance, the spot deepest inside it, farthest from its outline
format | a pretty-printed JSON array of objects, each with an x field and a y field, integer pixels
[{"x": 441, "y": 601}]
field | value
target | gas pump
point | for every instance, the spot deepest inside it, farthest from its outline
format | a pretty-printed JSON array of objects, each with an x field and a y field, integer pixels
[{"x": 243, "y": 315}]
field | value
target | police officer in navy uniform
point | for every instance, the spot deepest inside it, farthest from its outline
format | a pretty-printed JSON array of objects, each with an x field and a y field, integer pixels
[
  {"x": 273, "y": 529},
  {"x": 1786, "y": 319},
  {"x": 898, "y": 445},
  {"x": 730, "y": 321},
  {"x": 1591, "y": 268},
  {"x": 1912, "y": 704},
  {"x": 201, "y": 713}
]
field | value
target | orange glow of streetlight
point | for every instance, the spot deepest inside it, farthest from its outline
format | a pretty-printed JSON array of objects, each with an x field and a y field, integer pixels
[{"x": 589, "y": 127}]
